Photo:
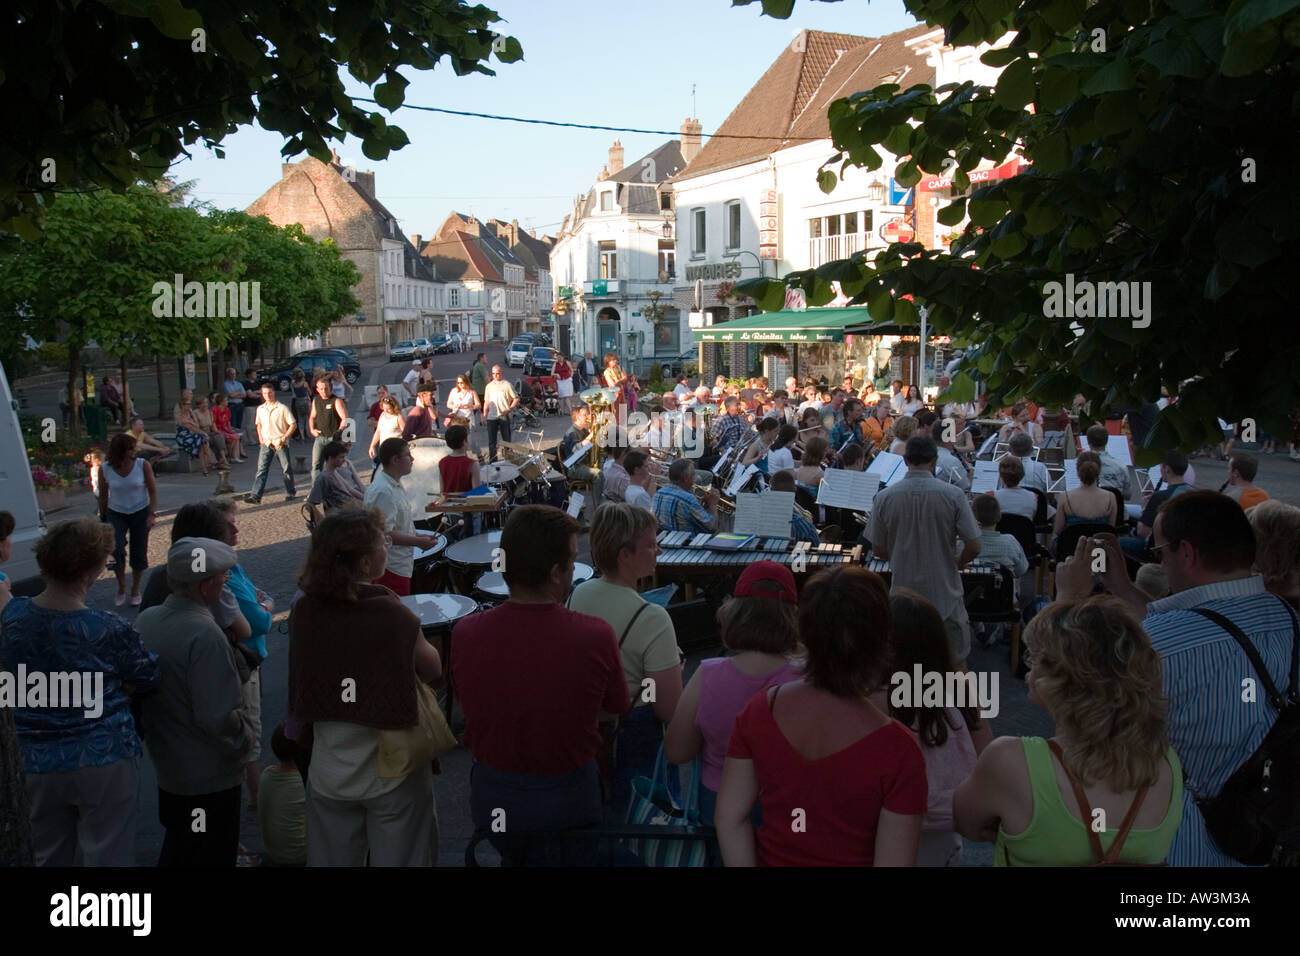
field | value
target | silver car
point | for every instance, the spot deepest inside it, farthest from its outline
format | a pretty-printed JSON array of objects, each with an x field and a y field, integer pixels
[{"x": 517, "y": 351}]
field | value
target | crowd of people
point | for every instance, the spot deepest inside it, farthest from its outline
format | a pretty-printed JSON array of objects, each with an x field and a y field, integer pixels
[{"x": 798, "y": 751}]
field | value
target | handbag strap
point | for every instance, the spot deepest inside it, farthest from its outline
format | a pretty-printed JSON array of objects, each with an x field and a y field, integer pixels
[
  {"x": 1274, "y": 696},
  {"x": 628, "y": 630},
  {"x": 1085, "y": 811}
]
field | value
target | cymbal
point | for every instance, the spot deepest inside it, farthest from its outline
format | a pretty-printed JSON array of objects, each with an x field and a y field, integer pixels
[{"x": 499, "y": 472}]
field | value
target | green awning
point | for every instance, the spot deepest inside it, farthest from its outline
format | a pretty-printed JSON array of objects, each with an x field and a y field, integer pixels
[{"x": 786, "y": 326}]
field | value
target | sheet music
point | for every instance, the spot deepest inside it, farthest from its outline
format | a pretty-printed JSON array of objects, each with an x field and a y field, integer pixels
[
  {"x": 739, "y": 479},
  {"x": 889, "y": 467},
  {"x": 1117, "y": 448},
  {"x": 986, "y": 477},
  {"x": 767, "y": 515},
  {"x": 1071, "y": 466},
  {"x": 578, "y": 452},
  {"x": 841, "y": 488},
  {"x": 575, "y": 504}
]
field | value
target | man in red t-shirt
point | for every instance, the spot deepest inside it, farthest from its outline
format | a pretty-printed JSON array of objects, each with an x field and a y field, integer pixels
[{"x": 534, "y": 680}]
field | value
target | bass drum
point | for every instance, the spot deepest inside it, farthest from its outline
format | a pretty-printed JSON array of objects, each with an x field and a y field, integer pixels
[{"x": 552, "y": 491}]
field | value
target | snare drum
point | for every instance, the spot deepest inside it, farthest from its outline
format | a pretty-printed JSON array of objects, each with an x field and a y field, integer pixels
[
  {"x": 438, "y": 614},
  {"x": 429, "y": 573},
  {"x": 534, "y": 467}
]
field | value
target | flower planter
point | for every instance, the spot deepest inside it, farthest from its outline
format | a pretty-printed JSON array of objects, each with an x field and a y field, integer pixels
[{"x": 51, "y": 499}]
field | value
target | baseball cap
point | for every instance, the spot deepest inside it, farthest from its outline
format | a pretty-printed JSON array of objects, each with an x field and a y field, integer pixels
[
  {"x": 415, "y": 362},
  {"x": 197, "y": 559},
  {"x": 767, "y": 570}
]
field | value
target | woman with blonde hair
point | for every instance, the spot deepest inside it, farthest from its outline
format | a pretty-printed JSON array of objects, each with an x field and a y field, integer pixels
[
  {"x": 346, "y": 632},
  {"x": 390, "y": 424},
  {"x": 624, "y": 548},
  {"x": 1086, "y": 504},
  {"x": 904, "y": 428},
  {"x": 1277, "y": 548},
  {"x": 1108, "y": 784}
]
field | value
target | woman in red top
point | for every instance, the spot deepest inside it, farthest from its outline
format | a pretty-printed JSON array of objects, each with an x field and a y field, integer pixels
[
  {"x": 221, "y": 420},
  {"x": 563, "y": 382},
  {"x": 842, "y": 783}
]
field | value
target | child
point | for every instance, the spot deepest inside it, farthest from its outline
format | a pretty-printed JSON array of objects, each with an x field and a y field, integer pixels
[
  {"x": 458, "y": 471},
  {"x": 95, "y": 458},
  {"x": 997, "y": 548},
  {"x": 282, "y": 806}
]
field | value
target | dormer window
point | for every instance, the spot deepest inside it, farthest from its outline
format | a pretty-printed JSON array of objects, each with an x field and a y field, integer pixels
[{"x": 607, "y": 201}]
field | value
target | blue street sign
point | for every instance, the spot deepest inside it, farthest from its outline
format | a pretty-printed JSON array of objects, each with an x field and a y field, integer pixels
[{"x": 898, "y": 196}]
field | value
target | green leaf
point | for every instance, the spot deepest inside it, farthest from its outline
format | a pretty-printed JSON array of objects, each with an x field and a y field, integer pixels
[
  {"x": 1016, "y": 84},
  {"x": 986, "y": 212},
  {"x": 174, "y": 20},
  {"x": 1001, "y": 56},
  {"x": 953, "y": 213},
  {"x": 1176, "y": 57},
  {"x": 960, "y": 389},
  {"x": 1111, "y": 78},
  {"x": 1220, "y": 280},
  {"x": 881, "y": 306},
  {"x": 1245, "y": 17},
  {"x": 513, "y": 52},
  {"x": 779, "y": 9},
  {"x": 1250, "y": 52},
  {"x": 390, "y": 95},
  {"x": 1009, "y": 246},
  {"x": 826, "y": 180},
  {"x": 906, "y": 174}
]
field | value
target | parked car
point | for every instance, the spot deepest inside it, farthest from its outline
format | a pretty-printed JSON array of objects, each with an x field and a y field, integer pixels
[
  {"x": 671, "y": 366},
  {"x": 281, "y": 376},
  {"x": 517, "y": 351},
  {"x": 424, "y": 347},
  {"x": 443, "y": 343},
  {"x": 348, "y": 352},
  {"x": 404, "y": 350},
  {"x": 540, "y": 360}
]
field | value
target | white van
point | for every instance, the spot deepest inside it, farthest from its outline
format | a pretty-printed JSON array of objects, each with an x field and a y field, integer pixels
[{"x": 17, "y": 492}]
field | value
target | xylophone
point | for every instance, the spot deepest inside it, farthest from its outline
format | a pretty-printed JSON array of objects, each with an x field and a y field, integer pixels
[
  {"x": 974, "y": 569},
  {"x": 684, "y": 552}
]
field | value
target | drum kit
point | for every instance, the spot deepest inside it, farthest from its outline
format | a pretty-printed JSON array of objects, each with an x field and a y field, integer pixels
[
  {"x": 438, "y": 614},
  {"x": 491, "y": 588}
]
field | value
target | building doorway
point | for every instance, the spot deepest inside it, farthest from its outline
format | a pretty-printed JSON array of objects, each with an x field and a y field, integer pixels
[{"x": 607, "y": 322}]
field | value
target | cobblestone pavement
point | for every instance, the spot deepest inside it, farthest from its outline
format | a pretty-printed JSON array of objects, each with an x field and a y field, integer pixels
[{"x": 273, "y": 544}]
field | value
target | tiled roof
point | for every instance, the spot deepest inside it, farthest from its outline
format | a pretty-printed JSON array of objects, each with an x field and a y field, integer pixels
[
  {"x": 790, "y": 101},
  {"x": 415, "y": 266},
  {"x": 460, "y": 257},
  {"x": 665, "y": 160}
]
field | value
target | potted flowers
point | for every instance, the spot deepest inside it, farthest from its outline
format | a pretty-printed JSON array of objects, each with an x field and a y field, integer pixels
[{"x": 51, "y": 489}]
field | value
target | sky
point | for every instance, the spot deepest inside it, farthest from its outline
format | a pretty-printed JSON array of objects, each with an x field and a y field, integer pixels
[{"x": 629, "y": 63}]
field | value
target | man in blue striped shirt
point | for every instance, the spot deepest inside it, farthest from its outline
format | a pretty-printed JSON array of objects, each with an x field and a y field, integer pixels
[
  {"x": 676, "y": 506},
  {"x": 1218, "y": 710}
]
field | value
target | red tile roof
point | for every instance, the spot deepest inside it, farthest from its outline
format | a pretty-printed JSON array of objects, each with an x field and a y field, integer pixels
[{"x": 790, "y": 101}]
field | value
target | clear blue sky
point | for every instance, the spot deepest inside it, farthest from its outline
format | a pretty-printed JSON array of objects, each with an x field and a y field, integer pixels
[{"x": 612, "y": 62}]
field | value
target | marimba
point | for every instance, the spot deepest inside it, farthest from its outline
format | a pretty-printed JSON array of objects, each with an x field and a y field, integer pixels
[
  {"x": 972, "y": 570},
  {"x": 684, "y": 553}
]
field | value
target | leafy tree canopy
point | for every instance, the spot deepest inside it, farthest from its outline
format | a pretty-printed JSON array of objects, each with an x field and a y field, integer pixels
[
  {"x": 1159, "y": 136},
  {"x": 104, "y": 93}
]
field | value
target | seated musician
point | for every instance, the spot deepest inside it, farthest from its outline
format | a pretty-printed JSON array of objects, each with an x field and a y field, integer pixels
[
  {"x": 676, "y": 506},
  {"x": 947, "y": 467},
  {"x": 801, "y": 522},
  {"x": 728, "y": 429},
  {"x": 1023, "y": 422},
  {"x": 811, "y": 470},
  {"x": 1012, "y": 498},
  {"x": 877, "y": 424},
  {"x": 692, "y": 439},
  {"x": 616, "y": 476},
  {"x": 580, "y": 415},
  {"x": 850, "y": 429},
  {"x": 338, "y": 484},
  {"x": 640, "y": 482},
  {"x": 853, "y": 458},
  {"x": 756, "y": 454},
  {"x": 1036, "y": 475}
]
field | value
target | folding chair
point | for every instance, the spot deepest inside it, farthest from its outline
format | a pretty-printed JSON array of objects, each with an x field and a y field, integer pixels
[{"x": 991, "y": 599}]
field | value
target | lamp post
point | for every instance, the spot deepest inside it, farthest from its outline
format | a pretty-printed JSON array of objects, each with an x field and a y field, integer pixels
[{"x": 746, "y": 252}]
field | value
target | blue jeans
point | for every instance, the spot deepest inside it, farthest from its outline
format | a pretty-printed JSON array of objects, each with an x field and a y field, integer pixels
[
  {"x": 236, "y": 415},
  {"x": 137, "y": 527},
  {"x": 640, "y": 734},
  {"x": 496, "y": 425},
  {"x": 517, "y": 802},
  {"x": 264, "y": 454},
  {"x": 318, "y": 456}
]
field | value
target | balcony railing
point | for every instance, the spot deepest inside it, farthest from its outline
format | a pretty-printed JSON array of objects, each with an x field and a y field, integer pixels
[{"x": 829, "y": 248}]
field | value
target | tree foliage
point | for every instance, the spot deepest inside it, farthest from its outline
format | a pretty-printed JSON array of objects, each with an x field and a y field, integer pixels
[
  {"x": 1159, "y": 136},
  {"x": 104, "y": 93}
]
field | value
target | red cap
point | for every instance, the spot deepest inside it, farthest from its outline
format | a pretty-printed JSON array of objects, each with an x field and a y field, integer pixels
[{"x": 767, "y": 570}]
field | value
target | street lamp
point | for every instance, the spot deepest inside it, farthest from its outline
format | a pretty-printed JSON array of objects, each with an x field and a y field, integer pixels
[
  {"x": 876, "y": 192},
  {"x": 746, "y": 252}
]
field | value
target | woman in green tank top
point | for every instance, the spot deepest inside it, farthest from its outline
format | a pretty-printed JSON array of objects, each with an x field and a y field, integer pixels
[{"x": 1094, "y": 671}]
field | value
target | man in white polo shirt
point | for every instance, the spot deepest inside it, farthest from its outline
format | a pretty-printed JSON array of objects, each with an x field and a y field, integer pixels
[{"x": 275, "y": 426}]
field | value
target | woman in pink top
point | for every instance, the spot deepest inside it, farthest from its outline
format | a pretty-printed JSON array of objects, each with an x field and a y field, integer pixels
[
  {"x": 761, "y": 624},
  {"x": 843, "y": 784},
  {"x": 951, "y": 738}
]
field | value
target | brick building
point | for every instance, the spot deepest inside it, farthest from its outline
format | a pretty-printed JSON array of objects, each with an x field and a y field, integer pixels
[{"x": 399, "y": 292}]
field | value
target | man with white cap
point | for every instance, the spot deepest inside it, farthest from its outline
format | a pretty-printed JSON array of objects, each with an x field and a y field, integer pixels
[{"x": 195, "y": 726}]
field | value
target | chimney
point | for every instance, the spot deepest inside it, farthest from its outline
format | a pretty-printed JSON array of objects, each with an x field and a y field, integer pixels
[
  {"x": 615, "y": 157},
  {"x": 366, "y": 182},
  {"x": 604, "y": 174},
  {"x": 514, "y": 233},
  {"x": 533, "y": 233},
  {"x": 417, "y": 240},
  {"x": 691, "y": 138}
]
